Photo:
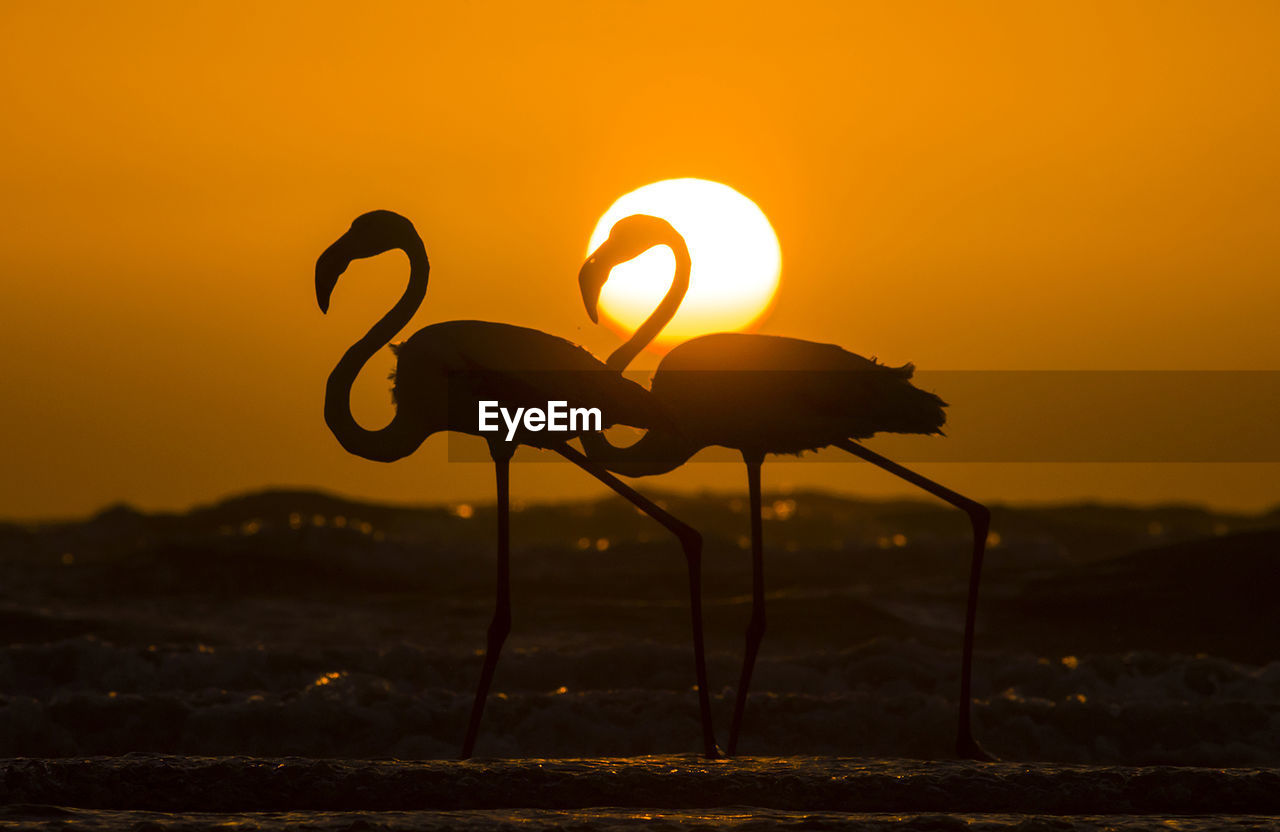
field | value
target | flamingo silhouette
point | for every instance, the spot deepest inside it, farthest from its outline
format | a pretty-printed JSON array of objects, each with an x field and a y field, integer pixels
[
  {"x": 444, "y": 370},
  {"x": 762, "y": 394}
]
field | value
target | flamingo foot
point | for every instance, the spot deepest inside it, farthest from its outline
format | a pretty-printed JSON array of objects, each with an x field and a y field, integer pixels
[{"x": 967, "y": 748}]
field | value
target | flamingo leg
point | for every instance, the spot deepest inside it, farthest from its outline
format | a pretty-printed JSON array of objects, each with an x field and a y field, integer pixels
[
  {"x": 691, "y": 543},
  {"x": 756, "y": 626},
  {"x": 980, "y": 517},
  {"x": 500, "y": 625}
]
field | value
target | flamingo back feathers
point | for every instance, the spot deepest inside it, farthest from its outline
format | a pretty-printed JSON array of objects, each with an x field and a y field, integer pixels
[
  {"x": 784, "y": 395},
  {"x": 517, "y": 367}
]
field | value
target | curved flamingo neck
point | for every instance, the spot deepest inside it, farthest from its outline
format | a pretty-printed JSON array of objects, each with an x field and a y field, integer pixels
[
  {"x": 397, "y": 439},
  {"x": 666, "y": 310}
]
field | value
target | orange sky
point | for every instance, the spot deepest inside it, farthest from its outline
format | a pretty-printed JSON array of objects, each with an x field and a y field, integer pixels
[{"x": 1011, "y": 186}]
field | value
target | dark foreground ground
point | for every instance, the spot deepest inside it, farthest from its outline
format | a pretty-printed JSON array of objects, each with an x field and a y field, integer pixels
[
  {"x": 209, "y": 645},
  {"x": 141, "y": 791}
]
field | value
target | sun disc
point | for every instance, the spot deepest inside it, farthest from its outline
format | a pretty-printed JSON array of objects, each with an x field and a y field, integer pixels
[{"x": 736, "y": 260}]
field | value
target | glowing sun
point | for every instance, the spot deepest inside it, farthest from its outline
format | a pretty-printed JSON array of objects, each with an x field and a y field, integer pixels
[{"x": 734, "y": 252}]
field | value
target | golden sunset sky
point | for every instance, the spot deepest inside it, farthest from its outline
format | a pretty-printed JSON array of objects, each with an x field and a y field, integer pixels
[{"x": 996, "y": 186}]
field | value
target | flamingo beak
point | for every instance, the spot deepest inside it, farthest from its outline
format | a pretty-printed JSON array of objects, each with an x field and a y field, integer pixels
[
  {"x": 591, "y": 280},
  {"x": 329, "y": 267}
]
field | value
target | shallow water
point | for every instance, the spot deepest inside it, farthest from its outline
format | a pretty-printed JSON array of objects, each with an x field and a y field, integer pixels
[
  {"x": 86, "y": 696},
  {"x": 277, "y": 661}
]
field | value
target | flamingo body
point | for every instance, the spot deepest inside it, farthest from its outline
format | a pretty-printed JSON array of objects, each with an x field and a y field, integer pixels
[
  {"x": 797, "y": 395},
  {"x": 443, "y": 371},
  {"x": 763, "y": 394},
  {"x": 442, "y": 374}
]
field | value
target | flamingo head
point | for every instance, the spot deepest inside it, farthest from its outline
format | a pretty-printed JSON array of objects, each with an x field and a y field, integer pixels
[
  {"x": 629, "y": 238},
  {"x": 370, "y": 234}
]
